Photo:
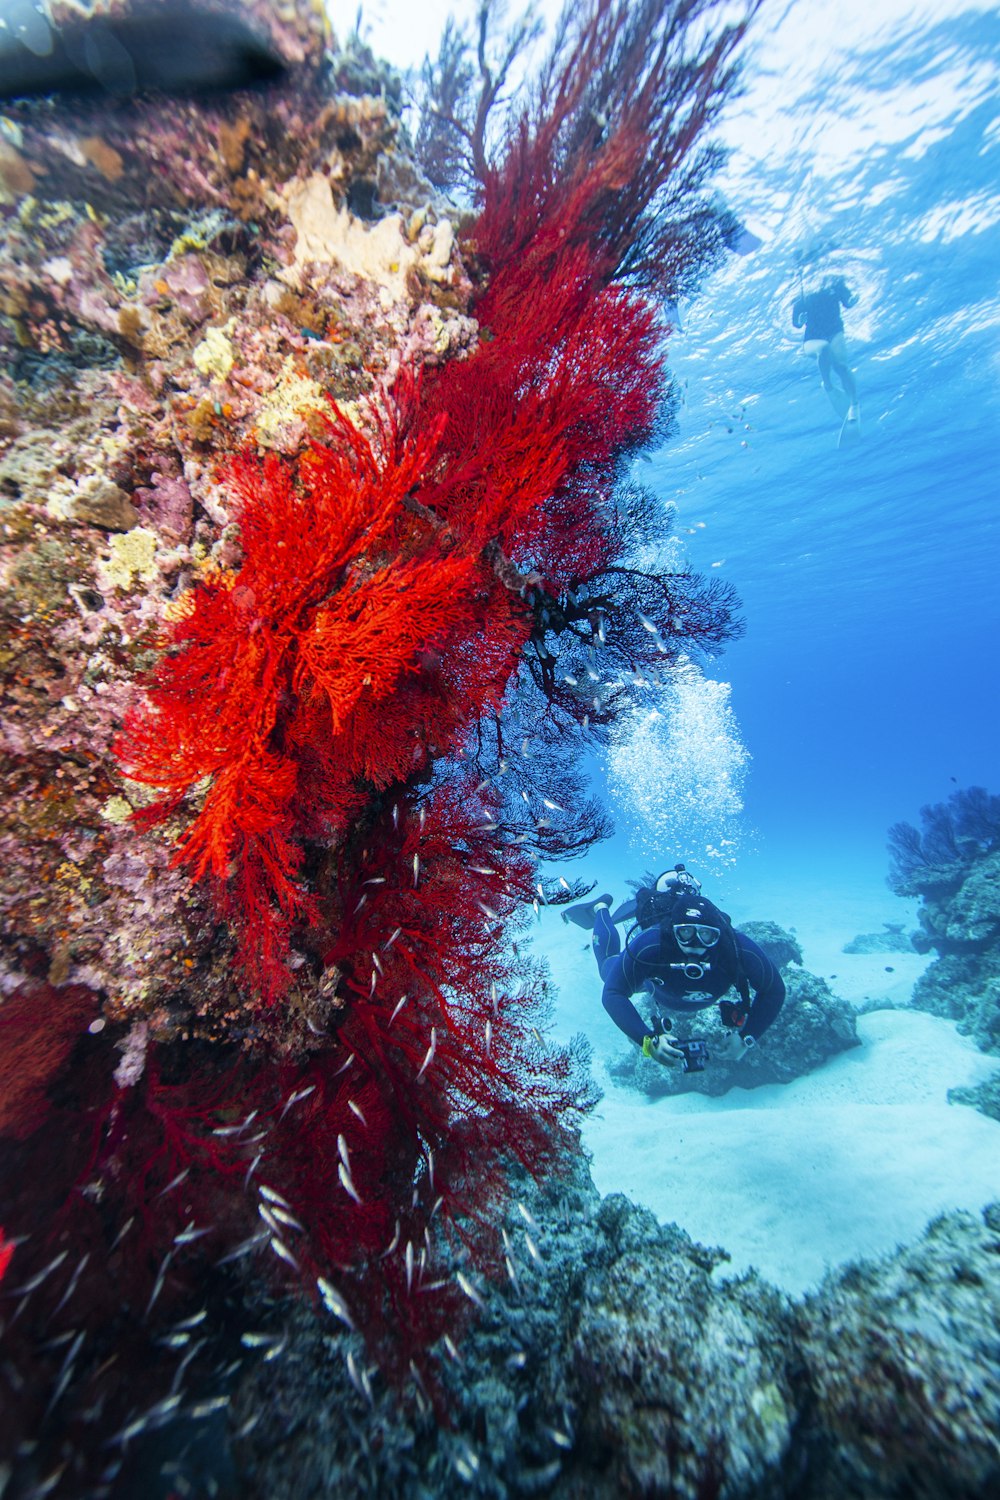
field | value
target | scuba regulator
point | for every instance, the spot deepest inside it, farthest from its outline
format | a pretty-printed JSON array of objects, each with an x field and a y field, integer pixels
[{"x": 692, "y": 969}]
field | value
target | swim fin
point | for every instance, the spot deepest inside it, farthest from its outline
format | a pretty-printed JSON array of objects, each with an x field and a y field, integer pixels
[{"x": 583, "y": 913}]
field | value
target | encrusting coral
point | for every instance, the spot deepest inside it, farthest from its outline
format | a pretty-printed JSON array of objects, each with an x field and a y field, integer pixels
[{"x": 293, "y": 497}]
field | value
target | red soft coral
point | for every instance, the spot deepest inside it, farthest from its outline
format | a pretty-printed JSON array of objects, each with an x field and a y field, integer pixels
[{"x": 272, "y": 685}]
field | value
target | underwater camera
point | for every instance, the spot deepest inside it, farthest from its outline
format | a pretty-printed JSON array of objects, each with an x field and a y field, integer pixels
[{"x": 695, "y": 1053}]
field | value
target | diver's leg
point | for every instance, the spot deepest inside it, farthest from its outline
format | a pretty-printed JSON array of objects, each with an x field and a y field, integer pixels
[
  {"x": 837, "y": 348},
  {"x": 848, "y": 382},
  {"x": 606, "y": 942},
  {"x": 824, "y": 361}
]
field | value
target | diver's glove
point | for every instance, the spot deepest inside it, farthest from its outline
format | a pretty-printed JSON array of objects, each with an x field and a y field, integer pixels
[
  {"x": 662, "y": 1051},
  {"x": 735, "y": 1047}
]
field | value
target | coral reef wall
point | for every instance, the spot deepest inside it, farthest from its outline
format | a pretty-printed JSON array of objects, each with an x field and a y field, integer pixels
[
  {"x": 159, "y": 317},
  {"x": 308, "y": 482}
]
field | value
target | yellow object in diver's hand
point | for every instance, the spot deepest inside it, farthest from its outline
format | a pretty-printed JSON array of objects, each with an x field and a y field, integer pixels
[{"x": 661, "y": 1050}]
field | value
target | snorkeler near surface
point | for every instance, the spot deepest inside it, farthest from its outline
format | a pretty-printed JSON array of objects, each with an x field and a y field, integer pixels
[
  {"x": 686, "y": 953},
  {"x": 818, "y": 313}
]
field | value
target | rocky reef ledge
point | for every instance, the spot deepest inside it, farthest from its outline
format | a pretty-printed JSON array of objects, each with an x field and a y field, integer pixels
[{"x": 623, "y": 1362}]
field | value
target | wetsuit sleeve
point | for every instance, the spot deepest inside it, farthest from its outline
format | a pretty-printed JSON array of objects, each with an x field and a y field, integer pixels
[
  {"x": 618, "y": 1005},
  {"x": 766, "y": 983}
]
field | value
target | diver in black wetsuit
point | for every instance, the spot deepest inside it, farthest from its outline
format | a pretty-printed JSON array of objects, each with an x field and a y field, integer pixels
[
  {"x": 687, "y": 955},
  {"x": 819, "y": 314}
]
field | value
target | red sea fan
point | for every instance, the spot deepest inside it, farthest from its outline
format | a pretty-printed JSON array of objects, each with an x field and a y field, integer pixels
[
  {"x": 308, "y": 708},
  {"x": 265, "y": 672},
  {"x": 568, "y": 380},
  {"x": 334, "y": 663},
  {"x": 359, "y": 648},
  {"x": 388, "y": 740},
  {"x": 611, "y": 153},
  {"x": 310, "y": 677},
  {"x": 436, "y": 1081}
]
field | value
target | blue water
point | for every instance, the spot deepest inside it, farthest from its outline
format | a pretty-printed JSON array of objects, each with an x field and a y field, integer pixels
[{"x": 866, "y": 684}]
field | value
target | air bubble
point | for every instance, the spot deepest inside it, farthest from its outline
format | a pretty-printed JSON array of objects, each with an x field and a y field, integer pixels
[{"x": 677, "y": 771}]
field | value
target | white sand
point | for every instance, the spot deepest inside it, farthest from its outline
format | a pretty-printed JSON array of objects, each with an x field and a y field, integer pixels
[{"x": 796, "y": 1179}]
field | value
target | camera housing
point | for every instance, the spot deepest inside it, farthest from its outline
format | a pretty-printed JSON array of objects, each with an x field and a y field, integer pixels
[{"x": 696, "y": 1053}]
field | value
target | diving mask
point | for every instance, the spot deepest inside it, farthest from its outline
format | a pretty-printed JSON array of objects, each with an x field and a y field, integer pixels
[{"x": 695, "y": 935}]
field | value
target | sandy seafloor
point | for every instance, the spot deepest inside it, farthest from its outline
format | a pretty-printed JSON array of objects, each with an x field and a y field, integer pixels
[{"x": 794, "y": 1179}]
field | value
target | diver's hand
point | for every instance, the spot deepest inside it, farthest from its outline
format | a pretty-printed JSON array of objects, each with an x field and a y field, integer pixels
[
  {"x": 662, "y": 1051},
  {"x": 735, "y": 1047}
]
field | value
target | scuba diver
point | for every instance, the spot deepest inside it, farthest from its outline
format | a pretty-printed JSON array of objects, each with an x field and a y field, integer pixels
[
  {"x": 819, "y": 314},
  {"x": 686, "y": 953}
]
